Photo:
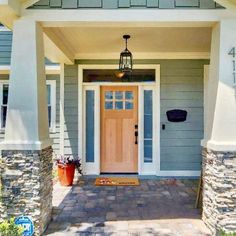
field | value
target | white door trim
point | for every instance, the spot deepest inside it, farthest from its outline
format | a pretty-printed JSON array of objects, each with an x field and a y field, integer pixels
[{"x": 94, "y": 168}]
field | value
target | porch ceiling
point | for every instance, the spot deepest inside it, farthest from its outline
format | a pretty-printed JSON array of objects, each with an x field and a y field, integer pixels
[{"x": 107, "y": 42}]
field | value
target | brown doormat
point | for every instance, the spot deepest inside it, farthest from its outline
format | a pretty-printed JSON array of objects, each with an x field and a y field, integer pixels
[{"x": 112, "y": 181}]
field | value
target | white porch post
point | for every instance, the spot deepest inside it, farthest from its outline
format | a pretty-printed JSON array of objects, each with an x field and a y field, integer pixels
[
  {"x": 27, "y": 153},
  {"x": 219, "y": 153}
]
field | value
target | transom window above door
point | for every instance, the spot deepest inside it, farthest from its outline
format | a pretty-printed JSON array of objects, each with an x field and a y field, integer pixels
[
  {"x": 119, "y": 100},
  {"x": 101, "y": 75}
]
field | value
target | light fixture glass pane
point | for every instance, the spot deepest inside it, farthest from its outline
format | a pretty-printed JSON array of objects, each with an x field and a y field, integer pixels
[
  {"x": 119, "y": 105},
  {"x": 108, "y": 105}
]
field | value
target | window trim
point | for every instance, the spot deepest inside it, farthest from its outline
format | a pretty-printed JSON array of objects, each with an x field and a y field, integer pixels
[{"x": 52, "y": 83}]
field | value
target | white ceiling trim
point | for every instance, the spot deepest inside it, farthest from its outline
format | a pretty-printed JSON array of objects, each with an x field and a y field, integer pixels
[
  {"x": 49, "y": 69},
  {"x": 161, "y": 55}
]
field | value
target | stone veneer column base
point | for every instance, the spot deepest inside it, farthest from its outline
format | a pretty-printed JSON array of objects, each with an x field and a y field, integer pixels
[
  {"x": 26, "y": 178},
  {"x": 219, "y": 191}
]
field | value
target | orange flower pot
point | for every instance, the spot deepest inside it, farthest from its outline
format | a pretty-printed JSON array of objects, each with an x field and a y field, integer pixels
[{"x": 66, "y": 174}]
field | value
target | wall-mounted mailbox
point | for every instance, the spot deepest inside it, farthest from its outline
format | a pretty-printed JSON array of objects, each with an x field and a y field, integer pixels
[{"x": 176, "y": 115}]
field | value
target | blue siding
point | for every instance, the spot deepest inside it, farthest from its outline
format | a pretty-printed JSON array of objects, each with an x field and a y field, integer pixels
[
  {"x": 90, "y": 126},
  {"x": 114, "y": 4},
  {"x": 71, "y": 110},
  {"x": 6, "y": 46},
  {"x": 181, "y": 87}
]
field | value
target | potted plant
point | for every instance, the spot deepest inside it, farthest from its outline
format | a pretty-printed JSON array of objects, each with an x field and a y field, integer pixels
[{"x": 66, "y": 166}]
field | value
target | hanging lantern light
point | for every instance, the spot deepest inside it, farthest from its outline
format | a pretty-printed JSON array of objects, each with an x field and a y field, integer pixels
[{"x": 126, "y": 58}]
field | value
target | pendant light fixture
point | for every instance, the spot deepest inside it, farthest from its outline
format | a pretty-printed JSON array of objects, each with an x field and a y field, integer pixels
[{"x": 126, "y": 58}]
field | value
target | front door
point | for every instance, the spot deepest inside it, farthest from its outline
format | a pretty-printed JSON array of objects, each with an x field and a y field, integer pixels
[{"x": 119, "y": 126}]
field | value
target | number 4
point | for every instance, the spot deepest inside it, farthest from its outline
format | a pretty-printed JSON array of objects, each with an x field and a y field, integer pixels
[{"x": 232, "y": 52}]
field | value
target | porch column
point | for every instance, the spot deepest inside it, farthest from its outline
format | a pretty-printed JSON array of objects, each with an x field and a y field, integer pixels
[
  {"x": 27, "y": 154},
  {"x": 219, "y": 152}
]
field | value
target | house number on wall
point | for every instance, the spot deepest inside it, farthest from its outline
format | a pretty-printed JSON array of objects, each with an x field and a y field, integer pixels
[{"x": 232, "y": 53}]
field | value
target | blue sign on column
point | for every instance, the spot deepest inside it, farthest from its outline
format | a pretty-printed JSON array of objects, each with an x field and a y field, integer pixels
[{"x": 27, "y": 224}]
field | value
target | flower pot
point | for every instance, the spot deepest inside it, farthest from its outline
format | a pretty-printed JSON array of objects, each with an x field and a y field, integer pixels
[{"x": 66, "y": 174}]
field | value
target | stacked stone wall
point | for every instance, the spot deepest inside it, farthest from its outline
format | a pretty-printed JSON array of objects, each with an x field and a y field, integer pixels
[
  {"x": 26, "y": 179},
  {"x": 219, "y": 191}
]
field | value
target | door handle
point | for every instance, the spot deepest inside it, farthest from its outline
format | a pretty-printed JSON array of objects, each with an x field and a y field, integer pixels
[{"x": 136, "y": 137}]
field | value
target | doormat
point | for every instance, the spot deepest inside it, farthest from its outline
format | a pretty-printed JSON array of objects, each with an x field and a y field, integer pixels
[{"x": 112, "y": 181}]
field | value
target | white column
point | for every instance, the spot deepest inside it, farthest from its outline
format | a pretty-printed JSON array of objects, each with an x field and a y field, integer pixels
[
  {"x": 27, "y": 115},
  {"x": 220, "y": 132}
]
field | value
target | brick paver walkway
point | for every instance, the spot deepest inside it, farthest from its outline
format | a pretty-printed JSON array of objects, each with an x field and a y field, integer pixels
[{"x": 156, "y": 207}]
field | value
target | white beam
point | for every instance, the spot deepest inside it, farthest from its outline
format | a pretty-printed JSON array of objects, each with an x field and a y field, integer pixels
[
  {"x": 229, "y": 4},
  {"x": 9, "y": 11},
  {"x": 15, "y": 5},
  {"x": 56, "y": 49},
  {"x": 54, "y": 53},
  {"x": 123, "y": 17},
  {"x": 28, "y": 3}
]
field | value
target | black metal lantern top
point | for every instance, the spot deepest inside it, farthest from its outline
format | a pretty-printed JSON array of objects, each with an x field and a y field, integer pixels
[{"x": 126, "y": 58}]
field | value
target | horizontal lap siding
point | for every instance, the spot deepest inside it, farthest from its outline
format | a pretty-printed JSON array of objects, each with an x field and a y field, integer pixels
[
  {"x": 71, "y": 111},
  {"x": 182, "y": 88},
  {"x": 5, "y": 47},
  {"x": 114, "y": 4},
  {"x": 55, "y": 136}
]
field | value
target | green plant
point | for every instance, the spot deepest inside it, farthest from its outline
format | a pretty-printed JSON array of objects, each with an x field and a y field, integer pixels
[
  {"x": 9, "y": 228},
  {"x": 222, "y": 233}
]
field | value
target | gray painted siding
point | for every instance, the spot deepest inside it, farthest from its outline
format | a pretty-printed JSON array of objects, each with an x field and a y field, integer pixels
[
  {"x": 71, "y": 110},
  {"x": 5, "y": 47},
  {"x": 54, "y": 135},
  {"x": 182, "y": 88},
  {"x": 114, "y": 4}
]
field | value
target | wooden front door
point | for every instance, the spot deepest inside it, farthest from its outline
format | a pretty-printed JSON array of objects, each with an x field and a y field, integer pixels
[{"x": 119, "y": 120}]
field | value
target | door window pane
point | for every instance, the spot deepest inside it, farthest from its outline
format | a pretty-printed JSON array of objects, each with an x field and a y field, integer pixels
[
  {"x": 108, "y": 95},
  {"x": 89, "y": 126},
  {"x": 148, "y": 125},
  {"x": 129, "y": 95},
  {"x": 119, "y": 105},
  {"x": 119, "y": 95},
  {"x": 108, "y": 105},
  {"x": 129, "y": 105}
]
